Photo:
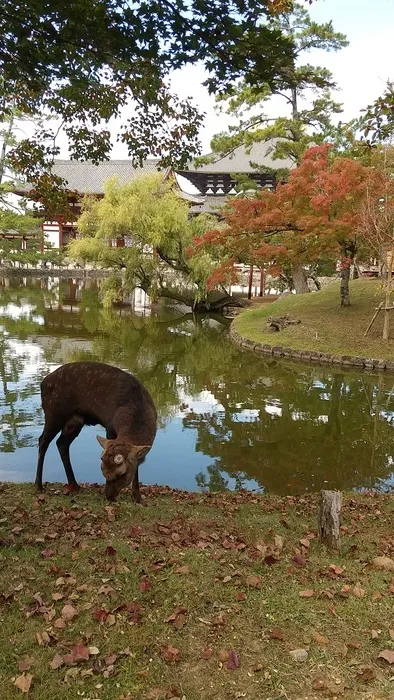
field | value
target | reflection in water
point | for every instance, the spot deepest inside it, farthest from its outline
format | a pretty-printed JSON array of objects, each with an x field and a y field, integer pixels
[{"x": 227, "y": 419}]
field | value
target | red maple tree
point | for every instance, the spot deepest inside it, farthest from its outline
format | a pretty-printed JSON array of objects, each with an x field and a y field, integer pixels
[{"x": 317, "y": 212}]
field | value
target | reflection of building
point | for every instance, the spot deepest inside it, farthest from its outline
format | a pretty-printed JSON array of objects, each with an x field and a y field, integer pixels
[{"x": 212, "y": 183}]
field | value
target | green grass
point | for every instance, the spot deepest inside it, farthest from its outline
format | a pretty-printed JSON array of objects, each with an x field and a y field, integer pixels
[
  {"x": 325, "y": 326},
  {"x": 167, "y": 588}
]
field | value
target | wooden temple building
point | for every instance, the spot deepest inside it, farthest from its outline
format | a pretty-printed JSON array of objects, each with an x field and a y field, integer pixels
[{"x": 205, "y": 188}]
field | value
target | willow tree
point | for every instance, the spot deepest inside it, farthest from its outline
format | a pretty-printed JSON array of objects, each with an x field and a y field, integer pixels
[{"x": 155, "y": 231}]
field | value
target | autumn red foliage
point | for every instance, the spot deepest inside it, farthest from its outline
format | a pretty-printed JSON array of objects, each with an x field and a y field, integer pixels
[{"x": 317, "y": 212}]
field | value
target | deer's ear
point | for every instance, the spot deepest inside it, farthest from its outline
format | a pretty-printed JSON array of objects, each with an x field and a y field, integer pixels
[
  {"x": 102, "y": 442},
  {"x": 141, "y": 450}
]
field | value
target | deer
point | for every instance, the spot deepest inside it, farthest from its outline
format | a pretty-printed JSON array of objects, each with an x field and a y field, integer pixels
[{"x": 94, "y": 393}]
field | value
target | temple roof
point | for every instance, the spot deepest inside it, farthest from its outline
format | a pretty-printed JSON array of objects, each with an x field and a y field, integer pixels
[
  {"x": 240, "y": 159},
  {"x": 88, "y": 178}
]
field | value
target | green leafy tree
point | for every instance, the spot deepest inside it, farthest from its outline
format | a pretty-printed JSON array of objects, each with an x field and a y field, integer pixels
[
  {"x": 296, "y": 83},
  {"x": 25, "y": 228},
  {"x": 154, "y": 225},
  {"x": 83, "y": 61}
]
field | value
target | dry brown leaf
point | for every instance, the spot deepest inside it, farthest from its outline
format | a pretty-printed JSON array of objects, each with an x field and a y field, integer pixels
[
  {"x": 277, "y": 633},
  {"x": 279, "y": 542},
  {"x": 337, "y": 570},
  {"x": 304, "y": 542},
  {"x": 358, "y": 591},
  {"x": 366, "y": 674},
  {"x": 69, "y": 612},
  {"x": 206, "y": 653},
  {"x": 223, "y": 655},
  {"x": 387, "y": 655},
  {"x": 309, "y": 593},
  {"x": 170, "y": 653},
  {"x": 56, "y": 662},
  {"x": 183, "y": 569},
  {"x": 43, "y": 638},
  {"x": 319, "y": 638},
  {"x": 23, "y": 682},
  {"x": 25, "y": 664},
  {"x": 253, "y": 581},
  {"x": 59, "y": 623}
]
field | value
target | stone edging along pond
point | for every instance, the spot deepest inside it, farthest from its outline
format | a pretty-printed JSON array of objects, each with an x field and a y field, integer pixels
[{"x": 309, "y": 355}]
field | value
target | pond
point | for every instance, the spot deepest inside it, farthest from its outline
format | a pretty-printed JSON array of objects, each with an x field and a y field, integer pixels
[{"x": 227, "y": 419}]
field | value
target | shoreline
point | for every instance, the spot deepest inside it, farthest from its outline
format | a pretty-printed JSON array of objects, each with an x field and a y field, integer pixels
[
  {"x": 309, "y": 356},
  {"x": 53, "y": 272}
]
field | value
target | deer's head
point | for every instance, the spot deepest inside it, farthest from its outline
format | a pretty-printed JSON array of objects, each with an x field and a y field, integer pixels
[{"x": 119, "y": 462}]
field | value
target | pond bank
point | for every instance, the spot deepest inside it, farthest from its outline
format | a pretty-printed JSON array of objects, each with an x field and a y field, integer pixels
[
  {"x": 223, "y": 595},
  {"x": 326, "y": 334},
  {"x": 62, "y": 272}
]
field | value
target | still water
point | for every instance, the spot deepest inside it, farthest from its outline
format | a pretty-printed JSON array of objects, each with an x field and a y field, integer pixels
[{"x": 227, "y": 419}]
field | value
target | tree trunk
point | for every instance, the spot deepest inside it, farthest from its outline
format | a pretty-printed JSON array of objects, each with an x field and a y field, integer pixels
[
  {"x": 345, "y": 276},
  {"x": 329, "y": 518},
  {"x": 205, "y": 306},
  {"x": 299, "y": 279}
]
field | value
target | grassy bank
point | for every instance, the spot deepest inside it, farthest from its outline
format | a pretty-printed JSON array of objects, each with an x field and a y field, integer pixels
[
  {"x": 325, "y": 326},
  {"x": 192, "y": 596}
]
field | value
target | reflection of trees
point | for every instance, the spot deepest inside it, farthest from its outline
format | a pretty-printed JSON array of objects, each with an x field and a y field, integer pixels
[
  {"x": 288, "y": 427},
  {"x": 327, "y": 431}
]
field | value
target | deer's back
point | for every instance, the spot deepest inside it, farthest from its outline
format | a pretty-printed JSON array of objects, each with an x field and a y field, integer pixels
[{"x": 96, "y": 391}]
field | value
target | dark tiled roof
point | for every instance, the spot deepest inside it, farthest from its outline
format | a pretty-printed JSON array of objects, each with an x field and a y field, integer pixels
[
  {"x": 90, "y": 179},
  {"x": 87, "y": 178},
  {"x": 239, "y": 161}
]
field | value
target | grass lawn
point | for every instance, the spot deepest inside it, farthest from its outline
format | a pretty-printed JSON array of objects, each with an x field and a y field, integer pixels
[
  {"x": 192, "y": 596},
  {"x": 325, "y": 326}
]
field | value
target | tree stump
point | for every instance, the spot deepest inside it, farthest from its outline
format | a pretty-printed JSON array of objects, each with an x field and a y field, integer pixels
[{"x": 329, "y": 518}]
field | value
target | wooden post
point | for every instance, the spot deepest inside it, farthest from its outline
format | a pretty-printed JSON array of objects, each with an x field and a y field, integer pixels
[
  {"x": 329, "y": 518},
  {"x": 374, "y": 316},
  {"x": 250, "y": 282}
]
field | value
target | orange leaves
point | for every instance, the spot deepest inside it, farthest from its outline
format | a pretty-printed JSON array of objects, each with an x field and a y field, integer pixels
[{"x": 318, "y": 207}]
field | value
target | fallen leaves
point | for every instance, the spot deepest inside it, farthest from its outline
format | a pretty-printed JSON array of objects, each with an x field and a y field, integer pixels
[
  {"x": 178, "y": 618},
  {"x": 145, "y": 584},
  {"x": 253, "y": 581},
  {"x": 308, "y": 593},
  {"x": 25, "y": 664},
  {"x": 170, "y": 654},
  {"x": 56, "y": 662},
  {"x": 24, "y": 682},
  {"x": 387, "y": 655},
  {"x": 319, "y": 638},
  {"x": 76, "y": 655},
  {"x": 229, "y": 658},
  {"x": 366, "y": 674},
  {"x": 277, "y": 633},
  {"x": 69, "y": 612}
]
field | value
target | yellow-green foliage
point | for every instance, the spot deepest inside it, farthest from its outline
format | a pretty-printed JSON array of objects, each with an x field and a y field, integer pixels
[{"x": 148, "y": 212}]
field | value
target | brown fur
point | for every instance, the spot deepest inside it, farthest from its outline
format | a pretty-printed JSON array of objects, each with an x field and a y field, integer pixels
[{"x": 91, "y": 393}]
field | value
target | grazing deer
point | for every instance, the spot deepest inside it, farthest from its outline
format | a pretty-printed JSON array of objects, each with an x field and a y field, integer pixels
[{"x": 92, "y": 393}]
